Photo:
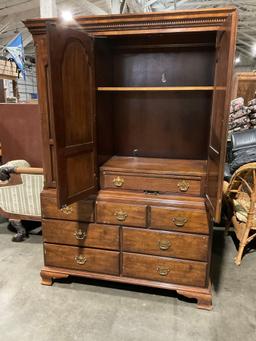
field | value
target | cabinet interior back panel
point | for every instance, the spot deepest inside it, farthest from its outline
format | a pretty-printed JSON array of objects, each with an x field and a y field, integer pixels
[
  {"x": 157, "y": 124},
  {"x": 179, "y": 66}
]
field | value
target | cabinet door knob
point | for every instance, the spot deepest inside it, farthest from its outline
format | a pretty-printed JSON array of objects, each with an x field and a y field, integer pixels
[
  {"x": 120, "y": 215},
  {"x": 183, "y": 186},
  {"x": 80, "y": 259},
  {"x": 163, "y": 271},
  {"x": 80, "y": 235},
  {"x": 118, "y": 181},
  {"x": 164, "y": 244},
  {"x": 179, "y": 221},
  {"x": 66, "y": 209}
]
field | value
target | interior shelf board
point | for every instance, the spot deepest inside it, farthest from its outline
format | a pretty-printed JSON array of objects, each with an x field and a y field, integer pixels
[{"x": 160, "y": 88}]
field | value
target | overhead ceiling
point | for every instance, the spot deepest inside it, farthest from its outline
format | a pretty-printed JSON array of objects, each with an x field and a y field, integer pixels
[{"x": 12, "y": 12}]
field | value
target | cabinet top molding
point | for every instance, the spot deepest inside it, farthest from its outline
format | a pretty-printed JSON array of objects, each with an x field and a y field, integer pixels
[{"x": 191, "y": 20}]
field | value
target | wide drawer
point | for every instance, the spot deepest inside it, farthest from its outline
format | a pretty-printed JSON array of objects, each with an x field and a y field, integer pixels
[
  {"x": 161, "y": 184},
  {"x": 82, "y": 210},
  {"x": 169, "y": 244},
  {"x": 164, "y": 269},
  {"x": 84, "y": 259},
  {"x": 81, "y": 234},
  {"x": 171, "y": 218},
  {"x": 119, "y": 213}
]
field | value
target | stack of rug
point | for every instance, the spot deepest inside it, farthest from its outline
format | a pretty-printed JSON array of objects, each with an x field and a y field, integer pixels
[
  {"x": 239, "y": 116},
  {"x": 252, "y": 112}
]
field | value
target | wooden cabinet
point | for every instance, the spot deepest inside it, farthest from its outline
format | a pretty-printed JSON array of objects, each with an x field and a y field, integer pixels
[{"x": 134, "y": 118}]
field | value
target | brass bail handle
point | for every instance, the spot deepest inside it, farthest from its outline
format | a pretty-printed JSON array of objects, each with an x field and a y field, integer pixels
[
  {"x": 81, "y": 260},
  {"x": 80, "y": 235},
  {"x": 179, "y": 221},
  {"x": 163, "y": 271},
  {"x": 118, "y": 181},
  {"x": 120, "y": 215},
  {"x": 183, "y": 186},
  {"x": 164, "y": 245}
]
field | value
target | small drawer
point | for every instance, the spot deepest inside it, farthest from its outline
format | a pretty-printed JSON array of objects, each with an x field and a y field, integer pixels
[
  {"x": 81, "y": 234},
  {"x": 170, "y": 218},
  {"x": 120, "y": 214},
  {"x": 151, "y": 183},
  {"x": 82, "y": 210},
  {"x": 84, "y": 259},
  {"x": 169, "y": 244},
  {"x": 164, "y": 269}
]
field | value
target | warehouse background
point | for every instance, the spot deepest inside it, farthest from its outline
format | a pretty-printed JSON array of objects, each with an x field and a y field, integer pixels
[{"x": 13, "y": 12}]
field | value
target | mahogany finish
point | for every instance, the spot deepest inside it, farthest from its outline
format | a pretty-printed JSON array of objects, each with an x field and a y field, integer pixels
[
  {"x": 183, "y": 220},
  {"x": 94, "y": 260},
  {"x": 164, "y": 269},
  {"x": 82, "y": 210},
  {"x": 134, "y": 112},
  {"x": 166, "y": 244},
  {"x": 81, "y": 234},
  {"x": 121, "y": 214}
]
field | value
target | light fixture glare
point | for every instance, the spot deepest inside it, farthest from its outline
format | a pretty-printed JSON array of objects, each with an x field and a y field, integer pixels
[
  {"x": 67, "y": 15},
  {"x": 237, "y": 60}
]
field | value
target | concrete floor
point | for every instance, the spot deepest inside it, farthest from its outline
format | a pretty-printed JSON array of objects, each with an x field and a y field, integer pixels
[{"x": 95, "y": 311}]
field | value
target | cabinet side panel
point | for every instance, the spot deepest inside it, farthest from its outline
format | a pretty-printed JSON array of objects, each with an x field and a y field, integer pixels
[
  {"x": 225, "y": 49},
  {"x": 46, "y": 122}
]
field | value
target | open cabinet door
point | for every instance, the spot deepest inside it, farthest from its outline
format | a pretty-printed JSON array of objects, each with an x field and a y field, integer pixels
[
  {"x": 225, "y": 49},
  {"x": 72, "y": 106}
]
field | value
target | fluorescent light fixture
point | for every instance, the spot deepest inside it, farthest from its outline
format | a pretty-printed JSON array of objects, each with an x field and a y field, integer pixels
[
  {"x": 237, "y": 60},
  {"x": 67, "y": 15}
]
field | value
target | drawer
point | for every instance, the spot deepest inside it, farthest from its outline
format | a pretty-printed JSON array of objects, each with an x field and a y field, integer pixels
[
  {"x": 162, "y": 184},
  {"x": 169, "y": 244},
  {"x": 83, "y": 259},
  {"x": 119, "y": 213},
  {"x": 81, "y": 234},
  {"x": 164, "y": 269},
  {"x": 82, "y": 210},
  {"x": 170, "y": 218}
]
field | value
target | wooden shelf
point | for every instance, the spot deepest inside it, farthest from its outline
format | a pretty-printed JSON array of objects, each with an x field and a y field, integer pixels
[
  {"x": 131, "y": 164},
  {"x": 160, "y": 88}
]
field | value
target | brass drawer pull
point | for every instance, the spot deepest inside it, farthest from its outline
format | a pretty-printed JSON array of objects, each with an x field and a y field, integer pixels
[
  {"x": 164, "y": 244},
  {"x": 183, "y": 186},
  {"x": 80, "y": 259},
  {"x": 118, "y": 181},
  {"x": 120, "y": 215},
  {"x": 179, "y": 221},
  {"x": 66, "y": 209},
  {"x": 80, "y": 235},
  {"x": 163, "y": 271}
]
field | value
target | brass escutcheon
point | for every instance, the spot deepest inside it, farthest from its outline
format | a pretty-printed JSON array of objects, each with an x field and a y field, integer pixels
[
  {"x": 80, "y": 259},
  {"x": 80, "y": 235},
  {"x": 179, "y": 221},
  {"x": 183, "y": 186},
  {"x": 163, "y": 271},
  {"x": 164, "y": 244},
  {"x": 118, "y": 181},
  {"x": 120, "y": 215},
  {"x": 66, "y": 209}
]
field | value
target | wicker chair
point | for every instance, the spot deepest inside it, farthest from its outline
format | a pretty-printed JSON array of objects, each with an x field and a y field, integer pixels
[
  {"x": 20, "y": 198},
  {"x": 240, "y": 194}
]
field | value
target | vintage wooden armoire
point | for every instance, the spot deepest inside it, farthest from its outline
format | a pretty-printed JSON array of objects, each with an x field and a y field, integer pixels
[{"x": 134, "y": 117}]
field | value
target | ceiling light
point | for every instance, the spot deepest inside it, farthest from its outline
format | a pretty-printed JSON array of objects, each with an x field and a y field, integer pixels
[
  {"x": 238, "y": 60},
  {"x": 67, "y": 16}
]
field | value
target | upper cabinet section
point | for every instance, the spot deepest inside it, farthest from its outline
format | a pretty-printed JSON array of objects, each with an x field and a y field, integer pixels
[{"x": 162, "y": 22}]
